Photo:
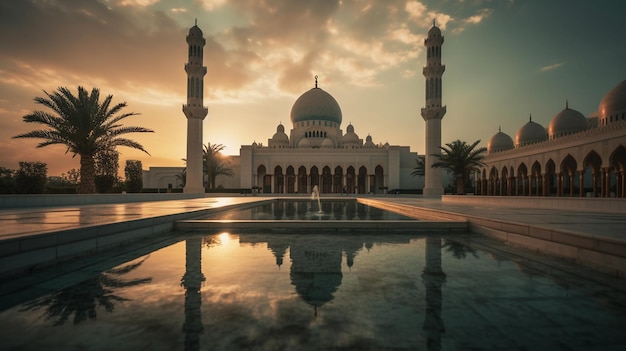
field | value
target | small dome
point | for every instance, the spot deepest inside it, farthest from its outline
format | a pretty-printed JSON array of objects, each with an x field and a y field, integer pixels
[
  {"x": 567, "y": 122},
  {"x": 316, "y": 105},
  {"x": 500, "y": 142},
  {"x": 280, "y": 138},
  {"x": 434, "y": 31},
  {"x": 351, "y": 138},
  {"x": 368, "y": 142},
  {"x": 195, "y": 31},
  {"x": 613, "y": 103},
  {"x": 530, "y": 133}
]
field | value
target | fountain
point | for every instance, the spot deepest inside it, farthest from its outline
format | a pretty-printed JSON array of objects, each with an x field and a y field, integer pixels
[{"x": 316, "y": 195}]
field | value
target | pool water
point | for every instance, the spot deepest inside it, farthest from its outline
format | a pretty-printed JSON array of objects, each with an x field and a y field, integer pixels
[
  {"x": 299, "y": 209},
  {"x": 315, "y": 292}
]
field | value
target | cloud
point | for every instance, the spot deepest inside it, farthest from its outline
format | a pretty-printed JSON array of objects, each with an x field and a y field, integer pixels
[
  {"x": 552, "y": 67},
  {"x": 475, "y": 19},
  {"x": 212, "y": 4},
  {"x": 137, "y": 3}
]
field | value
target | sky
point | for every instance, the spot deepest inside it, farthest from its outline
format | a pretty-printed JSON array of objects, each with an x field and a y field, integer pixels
[{"x": 505, "y": 60}]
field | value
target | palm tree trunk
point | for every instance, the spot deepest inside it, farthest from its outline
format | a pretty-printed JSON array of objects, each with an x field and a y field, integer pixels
[
  {"x": 460, "y": 185},
  {"x": 87, "y": 175}
]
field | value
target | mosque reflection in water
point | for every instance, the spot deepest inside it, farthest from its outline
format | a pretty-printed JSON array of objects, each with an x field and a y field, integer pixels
[{"x": 316, "y": 274}]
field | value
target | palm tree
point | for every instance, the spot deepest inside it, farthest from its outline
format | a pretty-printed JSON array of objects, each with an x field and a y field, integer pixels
[
  {"x": 420, "y": 169},
  {"x": 460, "y": 159},
  {"x": 85, "y": 125},
  {"x": 215, "y": 164}
]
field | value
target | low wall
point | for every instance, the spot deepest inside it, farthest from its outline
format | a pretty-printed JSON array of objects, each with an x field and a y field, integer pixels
[
  {"x": 594, "y": 204},
  {"x": 53, "y": 200}
]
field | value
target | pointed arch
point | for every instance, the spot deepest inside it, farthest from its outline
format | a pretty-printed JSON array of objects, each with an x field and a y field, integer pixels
[
  {"x": 535, "y": 183},
  {"x": 302, "y": 181},
  {"x": 616, "y": 177},
  {"x": 493, "y": 181},
  {"x": 592, "y": 173},
  {"x": 291, "y": 180},
  {"x": 568, "y": 169},
  {"x": 362, "y": 180},
  {"x": 351, "y": 180},
  {"x": 327, "y": 180},
  {"x": 279, "y": 180},
  {"x": 314, "y": 177},
  {"x": 522, "y": 179},
  {"x": 338, "y": 180},
  {"x": 379, "y": 179}
]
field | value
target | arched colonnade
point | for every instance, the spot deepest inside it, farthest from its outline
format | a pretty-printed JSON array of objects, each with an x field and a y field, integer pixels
[
  {"x": 330, "y": 180},
  {"x": 588, "y": 175}
]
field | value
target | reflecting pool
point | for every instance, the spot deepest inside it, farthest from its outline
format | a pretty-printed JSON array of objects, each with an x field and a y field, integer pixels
[
  {"x": 314, "y": 292},
  {"x": 299, "y": 209}
]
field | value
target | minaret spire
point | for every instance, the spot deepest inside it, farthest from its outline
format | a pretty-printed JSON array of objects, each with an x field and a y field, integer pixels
[
  {"x": 434, "y": 111},
  {"x": 316, "y": 80}
]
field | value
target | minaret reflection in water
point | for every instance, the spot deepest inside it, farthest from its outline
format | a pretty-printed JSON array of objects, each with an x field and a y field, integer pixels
[
  {"x": 433, "y": 278},
  {"x": 192, "y": 282}
]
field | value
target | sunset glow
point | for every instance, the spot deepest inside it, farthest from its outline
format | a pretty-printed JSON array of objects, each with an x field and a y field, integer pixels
[{"x": 504, "y": 60}]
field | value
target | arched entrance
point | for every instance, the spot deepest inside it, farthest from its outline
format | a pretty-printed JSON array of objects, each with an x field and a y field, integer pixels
[
  {"x": 279, "y": 180},
  {"x": 291, "y": 180},
  {"x": 592, "y": 173},
  {"x": 616, "y": 181},
  {"x": 379, "y": 179},
  {"x": 568, "y": 176},
  {"x": 362, "y": 180},
  {"x": 327, "y": 180},
  {"x": 302, "y": 181},
  {"x": 264, "y": 180},
  {"x": 338, "y": 180},
  {"x": 315, "y": 178},
  {"x": 351, "y": 180}
]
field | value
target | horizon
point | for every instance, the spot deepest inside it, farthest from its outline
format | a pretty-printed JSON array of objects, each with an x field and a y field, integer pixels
[{"x": 505, "y": 60}]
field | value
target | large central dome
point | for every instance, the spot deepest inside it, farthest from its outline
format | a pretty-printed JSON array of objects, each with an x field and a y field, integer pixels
[{"x": 316, "y": 105}]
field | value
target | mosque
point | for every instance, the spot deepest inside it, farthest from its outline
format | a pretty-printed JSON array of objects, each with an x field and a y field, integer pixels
[
  {"x": 316, "y": 152},
  {"x": 574, "y": 156}
]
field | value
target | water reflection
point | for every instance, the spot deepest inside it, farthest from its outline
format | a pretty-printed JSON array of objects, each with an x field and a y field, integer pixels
[
  {"x": 369, "y": 292},
  {"x": 308, "y": 210},
  {"x": 192, "y": 282},
  {"x": 433, "y": 278},
  {"x": 458, "y": 249},
  {"x": 83, "y": 299}
]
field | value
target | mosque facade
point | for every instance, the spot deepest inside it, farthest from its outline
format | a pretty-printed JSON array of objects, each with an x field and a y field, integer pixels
[
  {"x": 315, "y": 152},
  {"x": 574, "y": 156}
]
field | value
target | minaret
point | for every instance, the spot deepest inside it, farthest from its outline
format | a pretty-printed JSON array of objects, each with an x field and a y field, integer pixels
[
  {"x": 433, "y": 112},
  {"x": 194, "y": 111}
]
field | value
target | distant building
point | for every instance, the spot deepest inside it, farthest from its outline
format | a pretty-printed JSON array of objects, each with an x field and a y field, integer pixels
[{"x": 574, "y": 156}]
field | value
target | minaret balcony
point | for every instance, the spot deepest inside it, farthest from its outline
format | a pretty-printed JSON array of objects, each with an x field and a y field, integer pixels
[
  {"x": 429, "y": 113},
  {"x": 197, "y": 112}
]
